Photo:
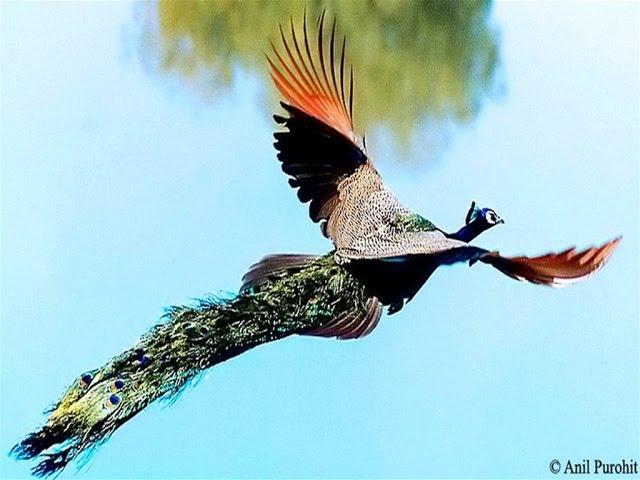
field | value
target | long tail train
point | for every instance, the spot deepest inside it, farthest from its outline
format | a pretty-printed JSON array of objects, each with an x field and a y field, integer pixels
[{"x": 294, "y": 298}]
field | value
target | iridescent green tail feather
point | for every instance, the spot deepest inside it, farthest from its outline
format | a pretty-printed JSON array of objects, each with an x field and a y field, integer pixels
[{"x": 185, "y": 344}]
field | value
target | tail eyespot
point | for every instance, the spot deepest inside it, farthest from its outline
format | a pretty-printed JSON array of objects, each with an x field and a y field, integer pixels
[
  {"x": 85, "y": 380},
  {"x": 111, "y": 402},
  {"x": 142, "y": 358},
  {"x": 117, "y": 384}
]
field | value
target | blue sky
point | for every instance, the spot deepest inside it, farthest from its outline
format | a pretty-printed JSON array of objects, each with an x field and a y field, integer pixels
[{"x": 122, "y": 194}]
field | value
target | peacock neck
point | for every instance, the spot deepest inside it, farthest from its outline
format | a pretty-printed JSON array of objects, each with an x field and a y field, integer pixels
[{"x": 468, "y": 232}]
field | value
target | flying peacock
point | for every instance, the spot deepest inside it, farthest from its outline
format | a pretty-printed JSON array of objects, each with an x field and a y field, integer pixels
[{"x": 383, "y": 254}]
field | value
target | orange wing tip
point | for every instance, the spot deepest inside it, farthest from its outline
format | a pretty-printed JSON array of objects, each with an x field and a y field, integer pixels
[
  {"x": 308, "y": 80},
  {"x": 555, "y": 269},
  {"x": 593, "y": 259}
]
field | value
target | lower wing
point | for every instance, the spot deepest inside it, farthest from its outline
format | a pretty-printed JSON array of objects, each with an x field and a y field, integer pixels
[{"x": 554, "y": 269}]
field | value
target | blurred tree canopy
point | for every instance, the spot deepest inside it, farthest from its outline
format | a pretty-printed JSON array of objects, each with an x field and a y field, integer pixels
[{"x": 413, "y": 60}]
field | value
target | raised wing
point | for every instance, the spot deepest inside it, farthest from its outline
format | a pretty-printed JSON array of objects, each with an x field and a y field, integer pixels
[
  {"x": 320, "y": 95},
  {"x": 319, "y": 148},
  {"x": 554, "y": 269},
  {"x": 324, "y": 157}
]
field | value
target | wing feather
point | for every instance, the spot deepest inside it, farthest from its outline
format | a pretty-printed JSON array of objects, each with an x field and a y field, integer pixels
[
  {"x": 319, "y": 148},
  {"x": 352, "y": 325},
  {"x": 310, "y": 84},
  {"x": 274, "y": 265},
  {"x": 554, "y": 269}
]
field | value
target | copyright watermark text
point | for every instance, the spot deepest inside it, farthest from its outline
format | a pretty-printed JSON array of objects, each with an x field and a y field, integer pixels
[{"x": 594, "y": 466}]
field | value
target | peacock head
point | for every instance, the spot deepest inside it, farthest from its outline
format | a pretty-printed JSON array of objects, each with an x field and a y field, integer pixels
[{"x": 484, "y": 218}]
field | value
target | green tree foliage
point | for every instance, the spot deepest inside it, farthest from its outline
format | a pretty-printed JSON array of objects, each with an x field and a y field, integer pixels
[{"x": 413, "y": 60}]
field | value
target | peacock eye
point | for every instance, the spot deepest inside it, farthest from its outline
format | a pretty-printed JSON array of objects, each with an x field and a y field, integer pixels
[
  {"x": 491, "y": 217},
  {"x": 86, "y": 379},
  {"x": 117, "y": 384},
  {"x": 111, "y": 402}
]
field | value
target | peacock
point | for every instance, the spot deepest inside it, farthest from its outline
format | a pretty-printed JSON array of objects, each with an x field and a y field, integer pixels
[{"x": 382, "y": 255}]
